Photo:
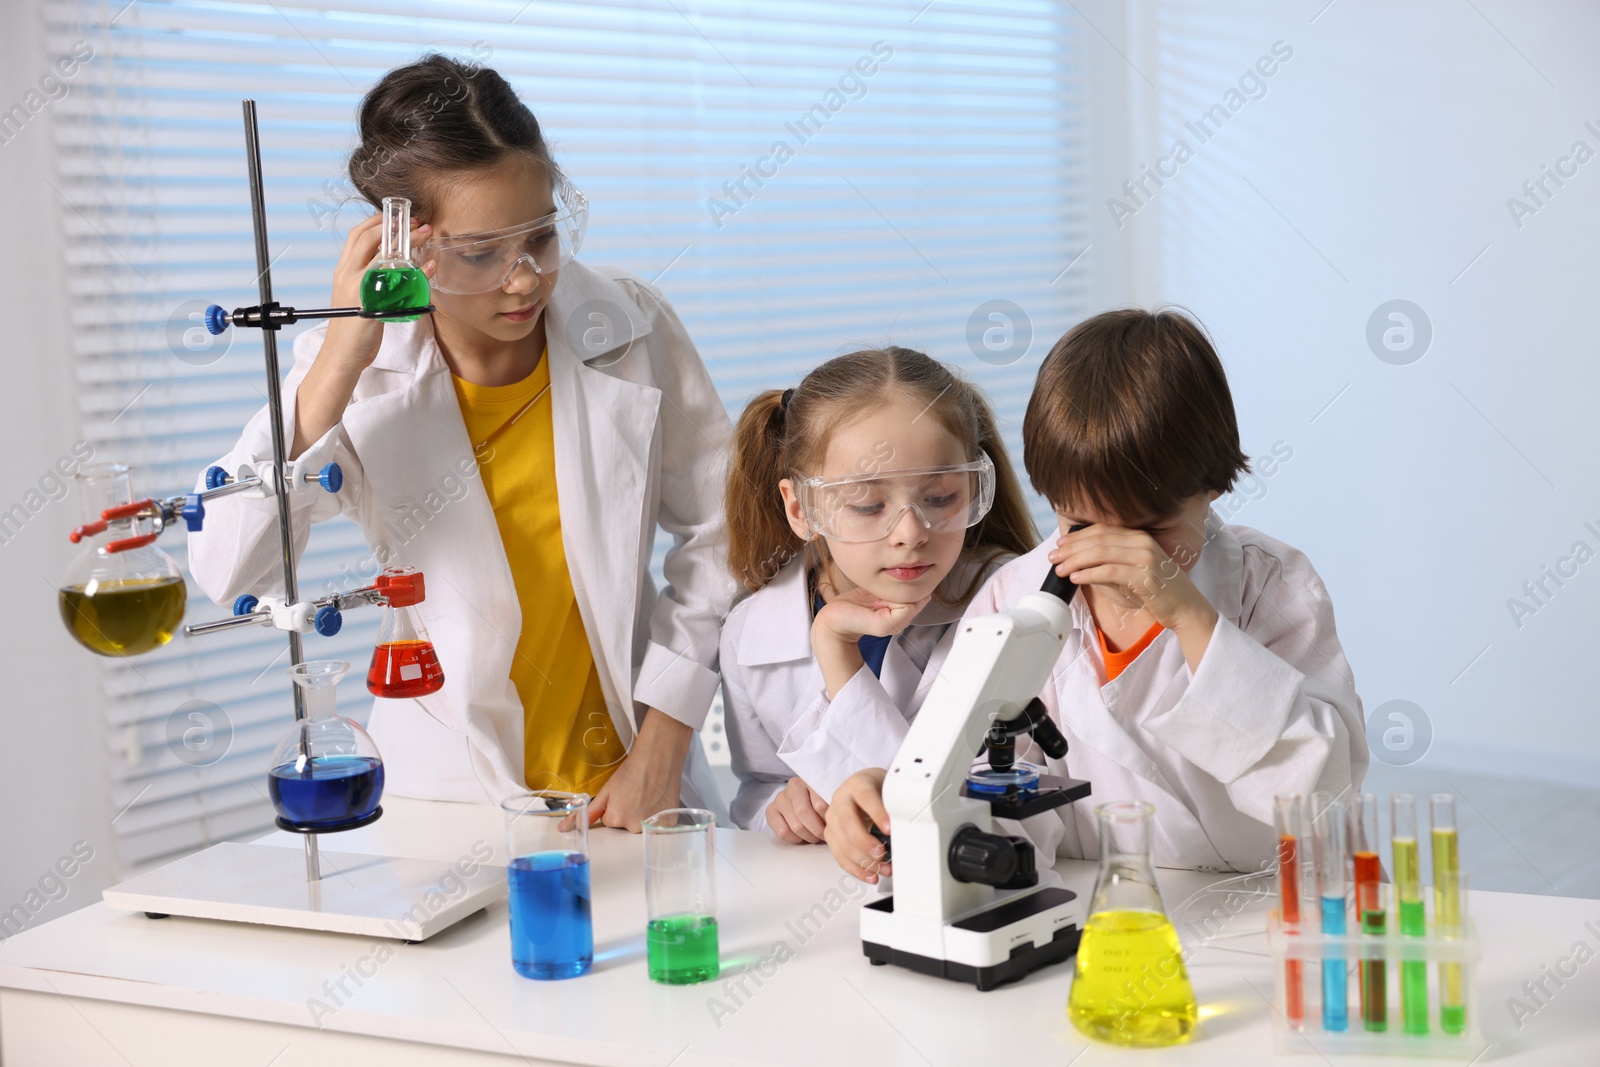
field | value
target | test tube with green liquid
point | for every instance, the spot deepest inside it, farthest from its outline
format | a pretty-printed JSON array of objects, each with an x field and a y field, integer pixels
[
  {"x": 1413, "y": 920},
  {"x": 681, "y": 943},
  {"x": 1368, "y": 875},
  {"x": 1447, "y": 909},
  {"x": 394, "y": 282}
]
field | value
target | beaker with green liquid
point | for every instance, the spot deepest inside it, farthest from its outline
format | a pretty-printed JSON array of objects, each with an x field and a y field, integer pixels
[
  {"x": 1131, "y": 987},
  {"x": 393, "y": 281},
  {"x": 681, "y": 944}
]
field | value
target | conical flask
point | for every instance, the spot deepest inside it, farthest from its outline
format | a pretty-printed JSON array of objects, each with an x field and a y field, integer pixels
[
  {"x": 1131, "y": 986},
  {"x": 122, "y": 596},
  {"x": 393, "y": 281},
  {"x": 404, "y": 663},
  {"x": 326, "y": 772}
]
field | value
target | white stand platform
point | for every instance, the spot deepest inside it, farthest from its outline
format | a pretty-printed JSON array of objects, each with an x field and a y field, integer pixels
[{"x": 375, "y": 896}]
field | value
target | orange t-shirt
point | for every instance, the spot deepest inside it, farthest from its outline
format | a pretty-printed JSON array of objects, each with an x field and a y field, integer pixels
[{"x": 1117, "y": 662}]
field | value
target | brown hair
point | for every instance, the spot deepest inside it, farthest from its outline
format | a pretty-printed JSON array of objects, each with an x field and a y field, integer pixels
[
  {"x": 436, "y": 116},
  {"x": 1132, "y": 414},
  {"x": 775, "y": 440}
]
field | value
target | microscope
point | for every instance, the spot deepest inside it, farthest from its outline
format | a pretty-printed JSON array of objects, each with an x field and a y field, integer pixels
[{"x": 966, "y": 901}]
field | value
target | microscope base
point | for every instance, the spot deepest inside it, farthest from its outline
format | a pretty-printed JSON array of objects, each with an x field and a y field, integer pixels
[{"x": 1044, "y": 920}]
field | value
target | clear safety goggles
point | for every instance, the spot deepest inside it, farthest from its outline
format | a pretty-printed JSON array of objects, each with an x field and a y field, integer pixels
[
  {"x": 484, "y": 262},
  {"x": 868, "y": 507}
]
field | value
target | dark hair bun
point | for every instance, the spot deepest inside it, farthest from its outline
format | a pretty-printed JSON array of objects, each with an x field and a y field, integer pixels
[{"x": 436, "y": 116}]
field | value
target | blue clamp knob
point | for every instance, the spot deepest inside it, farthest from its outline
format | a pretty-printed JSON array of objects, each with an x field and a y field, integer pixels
[
  {"x": 328, "y": 620},
  {"x": 331, "y": 478},
  {"x": 216, "y": 319},
  {"x": 244, "y": 604},
  {"x": 194, "y": 512},
  {"x": 216, "y": 478}
]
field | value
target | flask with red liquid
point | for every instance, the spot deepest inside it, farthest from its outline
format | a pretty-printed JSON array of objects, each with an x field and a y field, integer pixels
[{"x": 404, "y": 664}]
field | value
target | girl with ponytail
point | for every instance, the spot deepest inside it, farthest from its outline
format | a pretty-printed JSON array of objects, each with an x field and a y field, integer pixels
[{"x": 865, "y": 507}]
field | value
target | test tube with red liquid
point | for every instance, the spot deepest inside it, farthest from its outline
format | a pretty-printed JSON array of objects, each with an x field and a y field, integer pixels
[
  {"x": 404, "y": 664},
  {"x": 1287, "y": 811}
]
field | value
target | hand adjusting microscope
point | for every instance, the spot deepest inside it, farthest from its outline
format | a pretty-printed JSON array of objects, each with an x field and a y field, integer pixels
[{"x": 966, "y": 902}]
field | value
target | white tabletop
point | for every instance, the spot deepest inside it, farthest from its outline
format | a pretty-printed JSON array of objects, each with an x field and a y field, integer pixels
[{"x": 825, "y": 1005}]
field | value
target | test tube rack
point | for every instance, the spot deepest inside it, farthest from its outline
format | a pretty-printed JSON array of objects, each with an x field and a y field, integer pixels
[
  {"x": 258, "y": 882},
  {"x": 1305, "y": 944}
]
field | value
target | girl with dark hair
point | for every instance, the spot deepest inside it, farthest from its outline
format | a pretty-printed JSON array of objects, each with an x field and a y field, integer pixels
[
  {"x": 520, "y": 446},
  {"x": 865, "y": 508}
]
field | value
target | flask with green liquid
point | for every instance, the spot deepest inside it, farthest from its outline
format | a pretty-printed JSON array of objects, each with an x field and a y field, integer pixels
[
  {"x": 394, "y": 282},
  {"x": 1131, "y": 986}
]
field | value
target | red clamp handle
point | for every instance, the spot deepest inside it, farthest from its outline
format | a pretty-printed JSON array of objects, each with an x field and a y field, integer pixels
[
  {"x": 121, "y": 511},
  {"x": 131, "y": 542},
  {"x": 88, "y": 529}
]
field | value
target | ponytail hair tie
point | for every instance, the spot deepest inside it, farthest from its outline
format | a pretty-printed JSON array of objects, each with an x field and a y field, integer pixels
[{"x": 788, "y": 395}]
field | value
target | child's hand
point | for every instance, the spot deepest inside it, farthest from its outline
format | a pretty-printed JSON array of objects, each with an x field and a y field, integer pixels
[
  {"x": 858, "y": 613},
  {"x": 858, "y": 804},
  {"x": 1133, "y": 573},
  {"x": 846, "y": 619},
  {"x": 796, "y": 814}
]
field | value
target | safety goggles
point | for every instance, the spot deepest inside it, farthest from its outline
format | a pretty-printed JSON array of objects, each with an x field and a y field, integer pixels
[
  {"x": 484, "y": 262},
  {"x": 867, "y": 507}
]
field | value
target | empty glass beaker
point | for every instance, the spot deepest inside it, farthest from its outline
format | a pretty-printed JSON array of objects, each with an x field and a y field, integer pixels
[
  {"x": 1131, "y": 987},
  {"x": 404, "y": 663},
  {"x": 393, "y": 281},
  {"x": 681, "y": 894},
  {"x": 326, "y": 772},
  {"x": 547, "y": 840},
  {"x": 122, "y": 596}
]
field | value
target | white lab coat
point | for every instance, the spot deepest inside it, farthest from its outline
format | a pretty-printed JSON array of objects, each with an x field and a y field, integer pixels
[
  {"x": 779, "y": 720},
  {"x": 640, "y": 439},
  {"x": 1271, "y": 710}
]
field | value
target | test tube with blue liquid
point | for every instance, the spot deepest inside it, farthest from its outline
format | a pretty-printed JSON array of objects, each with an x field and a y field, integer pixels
[
  {"x": 547, "y": 839},
  {"x": 1327, "y": 844}
]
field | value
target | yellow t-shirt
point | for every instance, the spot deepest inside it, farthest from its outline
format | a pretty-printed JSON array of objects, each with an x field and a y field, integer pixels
[{"x": 571, "y": 743}]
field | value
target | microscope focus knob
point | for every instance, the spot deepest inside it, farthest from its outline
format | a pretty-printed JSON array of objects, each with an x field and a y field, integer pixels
[{"x": 992, "y": 859}]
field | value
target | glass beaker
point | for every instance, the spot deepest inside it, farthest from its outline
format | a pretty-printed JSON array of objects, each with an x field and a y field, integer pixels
[
  {"x": 122, "y": 596},
  {"x": 680, "y": 887},
  {"x": 393, "y": 281},
  {"x": 326, "y": 772},
  {"x": 1131, "y": 987},
  {"x": 547, "y": 840},
  {"x": 404, "y": 663}
]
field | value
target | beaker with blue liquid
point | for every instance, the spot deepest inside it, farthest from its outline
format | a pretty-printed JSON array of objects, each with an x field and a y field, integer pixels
[{"x": 547, "y": 840}]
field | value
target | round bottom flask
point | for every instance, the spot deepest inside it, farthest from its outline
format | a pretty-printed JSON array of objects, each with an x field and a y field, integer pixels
[{"x": 326, "y": 772}]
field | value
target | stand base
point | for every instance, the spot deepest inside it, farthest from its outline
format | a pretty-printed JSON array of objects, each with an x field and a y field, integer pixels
[
  {"x": 374, "y": 896},
  {"x": 1034, "y": 918}
]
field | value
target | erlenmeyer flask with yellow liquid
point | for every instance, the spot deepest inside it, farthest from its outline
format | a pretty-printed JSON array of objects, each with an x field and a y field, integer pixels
[
  {"x": 122, "y": 596},
  {"x": 1131, "y": 986}
]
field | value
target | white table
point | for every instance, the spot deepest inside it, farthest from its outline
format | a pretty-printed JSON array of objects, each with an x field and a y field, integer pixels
[{"x": 106, "y": 987}]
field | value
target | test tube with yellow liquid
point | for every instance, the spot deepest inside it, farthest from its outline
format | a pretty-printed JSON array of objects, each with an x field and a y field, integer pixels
[
  {"x": 1447, "y": 909},
  {"x": 1131, "y": 987}
]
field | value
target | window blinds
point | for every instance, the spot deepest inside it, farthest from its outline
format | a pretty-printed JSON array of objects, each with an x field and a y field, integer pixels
[{"x": 800, "y": 179}]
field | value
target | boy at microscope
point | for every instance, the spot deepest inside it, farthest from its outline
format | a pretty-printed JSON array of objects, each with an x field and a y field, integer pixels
[{"x": 1203, "y": 673}]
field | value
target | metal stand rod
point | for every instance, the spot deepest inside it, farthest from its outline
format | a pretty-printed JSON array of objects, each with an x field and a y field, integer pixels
[{"x": 269, "y": 343}]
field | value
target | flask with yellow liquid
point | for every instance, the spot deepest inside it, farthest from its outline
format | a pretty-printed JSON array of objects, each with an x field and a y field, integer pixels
[
  {"x": 1131, "y": 986},
  {"x": 122, "y": 596}
]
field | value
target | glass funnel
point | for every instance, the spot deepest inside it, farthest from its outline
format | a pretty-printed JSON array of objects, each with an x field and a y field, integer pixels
[
  {"x": 1131, "y": 986},
  {"x": 393, "y": 281},
  {"x": 404, "y": 662},
  {"x": 326, "y": 771},
  {"x": 122, "y": 596}
]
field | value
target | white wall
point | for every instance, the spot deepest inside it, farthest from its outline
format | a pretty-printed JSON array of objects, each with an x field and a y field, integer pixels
[
  {"x": 53, "y": 789},
  {"x": 1377, "y": 165}
]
